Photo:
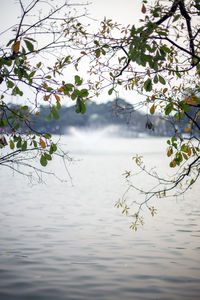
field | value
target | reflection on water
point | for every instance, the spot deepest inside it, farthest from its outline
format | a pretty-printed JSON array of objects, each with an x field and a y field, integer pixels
[{"x": 59, "y": 241}]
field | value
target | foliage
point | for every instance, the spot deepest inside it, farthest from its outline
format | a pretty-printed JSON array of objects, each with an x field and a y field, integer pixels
[
  {"x": 159, "y": 59},
  {"x": 32, "y": 69}
]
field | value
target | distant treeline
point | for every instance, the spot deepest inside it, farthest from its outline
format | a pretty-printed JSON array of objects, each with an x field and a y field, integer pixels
[{"x": 120, "y": 113}]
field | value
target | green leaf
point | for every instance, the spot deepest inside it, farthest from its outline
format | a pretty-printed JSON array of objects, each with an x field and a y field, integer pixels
[
  {"x": 10, "y": 84},
  {"x": 39, "y": 65},
  {"x": 29, "y": 45},
  {"x": 58, "y": 105},
  {"x": 168, "y": 142},
  {"x": 165, "y": 49},
  {"x": 3, "y": 122},
  {"x": 19, "y": 144},
  {"x": 12, "y": 145},
  {"x": 155, "y": 80},
  {"x": 176, "y": 17},
  {"x": 43, "y": 161},
  {"x": 83, "y": 93},
  {"x": 78, "y": 80},
  {"x": 80, "y": 106},
  {"x": 168, "y": 109},
  {"x": 25, "y": 107},
  {"x": 24, "y": 146},
  {"x": 97, "y": 52},
  {"x": 55, "y": 113},
  {"x": 192, "y": 181},
  {"x": 47, "y": 156},
  {"x": 148, "y": 85},
  {"x": 162, "y": 80},
  {"x": 53, "y": 148},
  {"x": 47, "y": 135},
  {"x": 110, "y": 91},
  {"x": 35, "y": 144}
]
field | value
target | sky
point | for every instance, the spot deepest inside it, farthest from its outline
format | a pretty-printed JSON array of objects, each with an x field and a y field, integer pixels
[{"x": 122, "y": 11}]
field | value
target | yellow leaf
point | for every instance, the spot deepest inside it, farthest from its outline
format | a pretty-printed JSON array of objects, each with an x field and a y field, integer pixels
[
  {"x": 173, "y": 163},
  {"x": 42, "y": 143},
  {"x": 164, "y": 91},
  {"x": 153, "y": 97},
  {"x": 45, "y": 85},
  {"x": 169, "y": 152},
  {"x": 57, "y": 97},
  {"x": 143, "y": 9},
  {"x": 189, "y": 151},
  {"x": 185, "y": 156},
  {"x": 187, "y": 129},
  {"x": 16, "y": 46},
  {"x": 152, "y": 109}
]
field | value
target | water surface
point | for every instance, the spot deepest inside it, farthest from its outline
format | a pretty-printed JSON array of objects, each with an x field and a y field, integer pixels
[{"x": 62, "y": 241}]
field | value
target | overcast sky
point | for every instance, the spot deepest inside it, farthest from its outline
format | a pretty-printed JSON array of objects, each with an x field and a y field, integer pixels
[{"x": 123, "y": 11}]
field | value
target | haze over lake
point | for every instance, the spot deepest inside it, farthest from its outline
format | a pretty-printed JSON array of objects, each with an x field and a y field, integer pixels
[{"x": 64, "y": 241}]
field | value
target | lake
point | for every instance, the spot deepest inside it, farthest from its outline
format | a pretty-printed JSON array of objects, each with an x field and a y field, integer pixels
[{"x": 65, "y": 241}]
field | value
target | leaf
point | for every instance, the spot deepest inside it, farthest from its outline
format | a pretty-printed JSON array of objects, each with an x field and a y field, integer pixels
[
  {"x": 24, "y": 146},
  {"x": 58, "y": 105},
  {"x": 10, "y": 84},
  {"x": 169, "y": 152},
  {"x": 46, "y": 98},
  {"x": 19, "y": 144},
  {"x": 53, "y": 148},
  {"x": 57, "y": 97},
  {"x": 155, "y": 80},
  {"x": 29, "y": 45},
  {"x": 152, "y": 109},
  {"x": 55, "y": 113},
  {"x": 97, "y": 52},
  {"x": 192, "y": 181},
  {"x": 42, "y": 143},
  {"x": 168, "y": 109},
  {"x": 143, "y": 9},
  {"x": 162, "y": 80},
  {"x": 110, "y": 91},
  {"x": 148, "y": 85},
  {"x": 173, "y": 163},
  {"x": 80, "y": 106},
  {"x": 16, "y": 46},
  {"x": 47, "y": 156},
  {"x": 12, "y": 145},
  {"x": 61, "y": 89},
  {"x": 43, "y": 161},
  {"x": 189, "y": 151},
  {"x": 47, "y": 135},
  {"x": 83, "y": 52},
  {"x": 78, "y": 80},
  {"x": 187, "y": 129},
  {"x": 185, "y": 156}
]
